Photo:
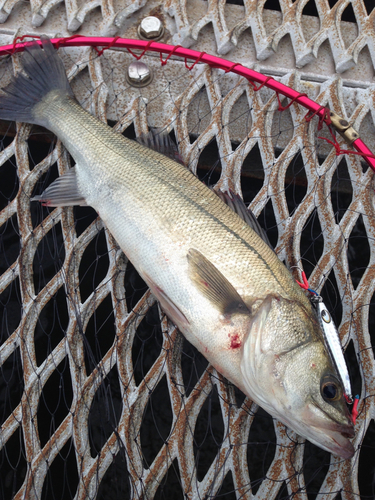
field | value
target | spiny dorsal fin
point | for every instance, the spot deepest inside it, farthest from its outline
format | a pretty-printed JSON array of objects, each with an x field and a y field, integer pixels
[
  {"x": 214, "y": 285},
  {"x": 159, "y": 140},
  {"x": 236, "y": 203}
]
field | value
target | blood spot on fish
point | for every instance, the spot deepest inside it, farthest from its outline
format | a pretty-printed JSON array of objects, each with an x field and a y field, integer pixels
[
  {"x": 235, "y": 342},
  {"x": 313, "y": 365}
]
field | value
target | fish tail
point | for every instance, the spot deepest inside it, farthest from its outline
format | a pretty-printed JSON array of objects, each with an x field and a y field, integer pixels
[{"x": 45, "y": 73}]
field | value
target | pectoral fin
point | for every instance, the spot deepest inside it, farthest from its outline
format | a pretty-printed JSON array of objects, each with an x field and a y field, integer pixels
[{"x": 214, "y": 285}]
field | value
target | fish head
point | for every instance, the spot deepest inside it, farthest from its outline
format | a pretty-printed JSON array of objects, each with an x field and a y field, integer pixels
[{"x": 287, "y": 370}]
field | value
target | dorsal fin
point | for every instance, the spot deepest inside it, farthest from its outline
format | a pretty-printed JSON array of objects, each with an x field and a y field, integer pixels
[
  {"x": 236, "y": 203},
  {"x": 160, "y": 141}
]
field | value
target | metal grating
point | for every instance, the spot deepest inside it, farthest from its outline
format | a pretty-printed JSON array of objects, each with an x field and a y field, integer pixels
[
  {"x": 308, "y": 25},
  {"x": 96, "y": 361},
  {"x": 228, "y": 19},
  {"x": 83, "y": 396}
]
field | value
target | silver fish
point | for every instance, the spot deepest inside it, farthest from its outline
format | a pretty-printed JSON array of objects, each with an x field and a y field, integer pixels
[{"x": 213, "y": 275}]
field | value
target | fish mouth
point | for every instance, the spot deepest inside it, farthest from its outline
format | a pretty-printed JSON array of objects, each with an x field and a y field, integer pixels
[
  {"x": 335, "y": 434},
  {"x": 336, "y": 441},
  {"x": 335, "y": 425},
  {"x": 348, "y": 433}
]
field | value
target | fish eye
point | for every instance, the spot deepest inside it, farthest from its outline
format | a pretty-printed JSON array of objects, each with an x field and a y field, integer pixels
[{"x": 330, "y": 388}]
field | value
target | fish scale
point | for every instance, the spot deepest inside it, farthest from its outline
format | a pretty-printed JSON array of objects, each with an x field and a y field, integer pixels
[{"x": 213, "y": 275}]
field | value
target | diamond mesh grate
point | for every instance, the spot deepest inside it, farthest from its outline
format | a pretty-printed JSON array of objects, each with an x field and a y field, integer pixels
[
  {"x": 308, "y": 23},
  {"x": 102, "y": 396}
]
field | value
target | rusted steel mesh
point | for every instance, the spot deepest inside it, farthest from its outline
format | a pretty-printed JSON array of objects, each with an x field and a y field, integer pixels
[
  {"x": 101, "y": 396},
  {"x": 311, "y": 26}
]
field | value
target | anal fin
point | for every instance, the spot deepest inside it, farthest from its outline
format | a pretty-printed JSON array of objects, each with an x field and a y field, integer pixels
[{"x": 63, "y": 192}]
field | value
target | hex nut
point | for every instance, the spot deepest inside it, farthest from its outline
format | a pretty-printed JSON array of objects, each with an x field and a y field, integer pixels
[
  {"x": 138, "y": 74},
  {"x": 151, "y": 28}
]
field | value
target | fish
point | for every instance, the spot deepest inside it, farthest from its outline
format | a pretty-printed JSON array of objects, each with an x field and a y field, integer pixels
[{"x": 213, "y": 274}]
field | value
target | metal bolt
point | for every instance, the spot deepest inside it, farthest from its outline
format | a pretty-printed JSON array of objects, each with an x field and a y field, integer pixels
[
  {"x": 151, "y": 28},
  {"x": 139, "y": 74}
]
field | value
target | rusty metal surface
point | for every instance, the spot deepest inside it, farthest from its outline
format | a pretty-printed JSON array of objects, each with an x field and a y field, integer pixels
[
  {"x": 321, "y": 45},
  {"x": 199, "y": 106},
  {"x": 220, "y": 93},
  {"x": 320, "y": 49}
]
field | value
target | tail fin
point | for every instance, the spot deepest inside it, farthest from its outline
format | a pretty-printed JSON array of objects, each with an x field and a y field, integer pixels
[{"x": 45, "y": 72}]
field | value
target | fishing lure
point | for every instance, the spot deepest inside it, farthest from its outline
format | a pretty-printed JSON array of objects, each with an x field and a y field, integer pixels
[{"x": 332, "y": 341}]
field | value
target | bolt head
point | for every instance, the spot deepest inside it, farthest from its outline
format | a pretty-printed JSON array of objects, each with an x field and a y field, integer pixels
[
  {"x": 139, "y": 74},
  {"x": 151, "y": 28}
]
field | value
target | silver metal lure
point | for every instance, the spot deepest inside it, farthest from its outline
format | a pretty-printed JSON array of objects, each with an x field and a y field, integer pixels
[{"x": 332, "y": 339}]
